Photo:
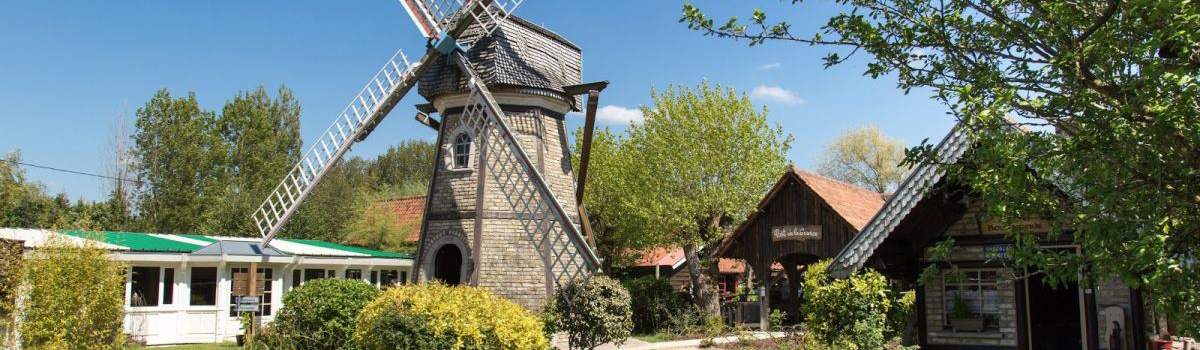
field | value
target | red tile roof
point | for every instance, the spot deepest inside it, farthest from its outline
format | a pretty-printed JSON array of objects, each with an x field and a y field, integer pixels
[
  {"x": 855, "y": 204},
  {"x": 408, "y": 213},
  {"x": 672, "y": 256}
]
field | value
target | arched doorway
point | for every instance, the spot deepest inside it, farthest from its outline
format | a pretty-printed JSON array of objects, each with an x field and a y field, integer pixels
[{"x": 447, "y": 264}]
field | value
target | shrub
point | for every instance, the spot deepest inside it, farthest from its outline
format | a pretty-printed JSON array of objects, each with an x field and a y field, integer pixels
[
  {"x": 654, "y": 302},
  {"x": 73, "y": 297},
  {"x": 901, "y": 316},
  {"x": 593, "y": 312},
  {"x": 850, "y": 312},
  {"x": 436, "y": 317},
  {"x": 319, "y": 314}
]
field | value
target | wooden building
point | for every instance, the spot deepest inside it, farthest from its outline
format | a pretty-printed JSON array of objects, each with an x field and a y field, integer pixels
[
  {"x": 996, "y": 310},
  {"x": 804, "y": 218},
  {"x": 671, "y": 264}
]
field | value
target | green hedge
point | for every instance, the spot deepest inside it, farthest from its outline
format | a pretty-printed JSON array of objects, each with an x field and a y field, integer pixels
[
  {"x": 436, "y": 317},
  {"x": 654, "y": 302},
  {"x": 320, "y": 314}
]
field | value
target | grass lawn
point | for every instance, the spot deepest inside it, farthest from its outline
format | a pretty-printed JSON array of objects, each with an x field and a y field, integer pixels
[
  {"x": 654, "y": 338},
  {"x": 214, "y": 346}
]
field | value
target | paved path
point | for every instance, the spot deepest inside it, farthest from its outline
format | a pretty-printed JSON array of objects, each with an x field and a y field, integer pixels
[{"x": 633, "y": 344}]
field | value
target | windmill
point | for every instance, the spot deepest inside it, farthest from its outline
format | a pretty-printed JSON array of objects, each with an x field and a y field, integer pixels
[{"x": 505, "y": 173}]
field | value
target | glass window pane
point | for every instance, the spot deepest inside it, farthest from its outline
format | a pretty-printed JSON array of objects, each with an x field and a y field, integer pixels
[
  {"x": 354, "y": 274},
  {"x": 296, "y": 278},
  {"x": 312, "y": 274},
  {"x": 144, "y": 286},
  {"x": 168, "y": 292},
  {"x": 203, "y": 286}
]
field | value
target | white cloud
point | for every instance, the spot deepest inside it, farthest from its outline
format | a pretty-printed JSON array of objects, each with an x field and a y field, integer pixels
[
  {"x": 775, "y": 94},
  {"x": 619, "y": 115},
  {"x": 767, "y": 66}
]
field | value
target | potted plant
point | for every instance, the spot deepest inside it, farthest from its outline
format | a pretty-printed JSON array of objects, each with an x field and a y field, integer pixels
[{"x": 961, "y": 317}]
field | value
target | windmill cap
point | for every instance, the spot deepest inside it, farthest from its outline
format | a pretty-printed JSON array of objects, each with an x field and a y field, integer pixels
[{"x": 519, "y": 57}]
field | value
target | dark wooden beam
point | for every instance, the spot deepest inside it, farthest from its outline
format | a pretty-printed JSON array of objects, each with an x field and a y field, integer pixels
[
  {"x": 584, "y": 88},
  {"x": 426, "y": 120}
]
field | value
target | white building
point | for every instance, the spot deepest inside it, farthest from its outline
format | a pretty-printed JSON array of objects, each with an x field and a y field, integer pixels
[{"x": 179, "y": 289}]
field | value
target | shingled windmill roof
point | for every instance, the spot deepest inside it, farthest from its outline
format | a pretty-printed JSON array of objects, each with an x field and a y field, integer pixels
[{"x": 518, "y": 57}]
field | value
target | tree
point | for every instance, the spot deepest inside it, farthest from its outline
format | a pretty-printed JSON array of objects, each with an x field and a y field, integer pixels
[
  {"x": 1107, "y": 91},
  {"x": 122, "y": 170},
  {"x": 607, "y": 198},
  {"x": 72, "y": 297},
  {"x": 261, "y": 137},
  {"x": 700, "y": 161},
  {"x": 333, "y": 204},
  {"x": 178, "y": 152},
  {"x": 409, "y": 161},
  {"x": 864, "y": 156}
]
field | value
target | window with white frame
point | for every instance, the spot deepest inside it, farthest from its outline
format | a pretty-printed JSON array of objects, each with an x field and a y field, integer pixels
[
  {"x": 203, "y": 286},
  {"x": 143, "y": 285},
  {"x": 354, "y": 274},
  {"x": 462, "y": 151},
  {"x": 978, "y": 290}
]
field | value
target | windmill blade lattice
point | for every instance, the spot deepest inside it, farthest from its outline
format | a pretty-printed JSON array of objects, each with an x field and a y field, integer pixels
[
  {"x": 550, "y": 230},
  {"x": 437, "y": 16},
  {"x": 366, "y": 110}
]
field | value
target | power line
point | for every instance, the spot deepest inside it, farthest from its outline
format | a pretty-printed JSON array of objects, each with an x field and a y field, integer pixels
[{"x": 70, "y": 171}]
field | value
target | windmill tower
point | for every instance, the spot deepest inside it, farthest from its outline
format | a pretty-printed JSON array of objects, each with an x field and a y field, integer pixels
[
  {"x": 504, "y": 153},
  {"x": 472, "y": 233}
]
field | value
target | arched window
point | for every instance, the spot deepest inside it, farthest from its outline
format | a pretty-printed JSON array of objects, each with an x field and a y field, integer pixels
[{"x": 462, "y": 151}]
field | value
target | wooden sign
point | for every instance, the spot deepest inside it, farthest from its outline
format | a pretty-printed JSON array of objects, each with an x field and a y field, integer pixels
[
  {"x": 241, "y": 283},
  {"x": 795, "y": 233},
  {"x": 1026, "y": 225}
]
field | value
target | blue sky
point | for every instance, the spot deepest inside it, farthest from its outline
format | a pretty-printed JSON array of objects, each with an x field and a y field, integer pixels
[{"x": 69, "y": 70}]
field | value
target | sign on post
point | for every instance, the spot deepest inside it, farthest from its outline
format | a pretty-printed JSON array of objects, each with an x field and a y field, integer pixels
[
  {"x": 795, "y": 233},
  {"x": 246, "y": 304},
  {"x": 241, "y": 283}
]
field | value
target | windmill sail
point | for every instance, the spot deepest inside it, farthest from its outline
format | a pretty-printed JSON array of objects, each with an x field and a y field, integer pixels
[{"x": 366, "y": 110}]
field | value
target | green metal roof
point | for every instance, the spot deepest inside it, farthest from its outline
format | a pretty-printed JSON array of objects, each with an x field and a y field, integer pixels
[
  {"x": 146, "y": 242},
  {"x": 137, "y": 241},
  {"x": 371, "y": 252}
]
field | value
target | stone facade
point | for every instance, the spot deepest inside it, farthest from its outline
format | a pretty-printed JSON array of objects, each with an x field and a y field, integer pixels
[{"x": 525, "y": 67}]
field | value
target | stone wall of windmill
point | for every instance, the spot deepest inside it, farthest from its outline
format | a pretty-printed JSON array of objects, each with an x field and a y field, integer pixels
[{"x": 525, "y": 66}]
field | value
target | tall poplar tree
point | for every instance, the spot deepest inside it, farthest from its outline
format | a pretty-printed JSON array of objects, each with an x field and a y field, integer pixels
[{"x": 179, "y": 154}]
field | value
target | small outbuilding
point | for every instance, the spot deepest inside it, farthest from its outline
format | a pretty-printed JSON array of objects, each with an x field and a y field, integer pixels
[
  {"x": 804, "y": 218},
  {"x": 180, "y": 287}
]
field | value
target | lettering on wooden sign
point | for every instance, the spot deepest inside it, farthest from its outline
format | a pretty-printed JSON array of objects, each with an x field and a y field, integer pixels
[
  {"x": 795, "y": 233},
  {"x": 1026, "y": 225}
]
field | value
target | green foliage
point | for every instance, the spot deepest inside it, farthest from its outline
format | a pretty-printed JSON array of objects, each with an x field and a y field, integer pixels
[
  {"x": 1109, "y": 91},
  {"x": 177, "y": 147},
  {"x": 375, "y": 225},
  {"x": 866, "y": 157},
  {"x": 72, "y": 297},
  {"x": 260, "y": 142},
  {"x": 407, "y": 162},
  {"x": 901, "y": 315},
  {"x": 319, "y": 314},
  {"x": 593, "y": 312},
  {"x": 849, "y": 312},
  {"x": 776, "y": 318},
  {"x": 436, "y": 317},
  {"x": 654, "y": 301},
  {"x": 722, "y": 156}
]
